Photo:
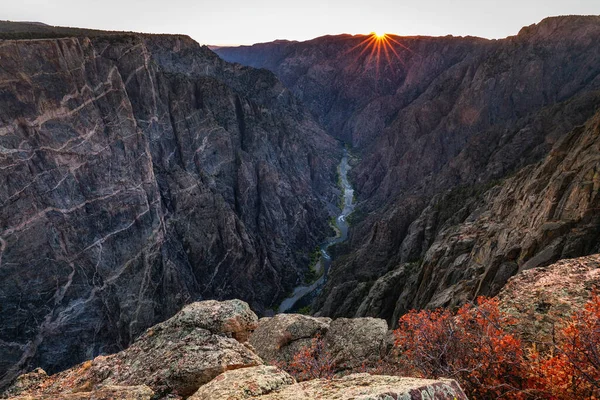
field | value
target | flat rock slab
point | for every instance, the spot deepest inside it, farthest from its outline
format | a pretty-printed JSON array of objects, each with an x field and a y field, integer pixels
[
  {"x": 245, "y": 383},
  {"x": 371, "y": 387},
  {"x": 106, "y": 393},
  {"x": 267, "y": 382}
]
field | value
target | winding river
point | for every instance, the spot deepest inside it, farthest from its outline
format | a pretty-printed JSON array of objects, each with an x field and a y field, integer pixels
[{"x": 302, "y": 295}]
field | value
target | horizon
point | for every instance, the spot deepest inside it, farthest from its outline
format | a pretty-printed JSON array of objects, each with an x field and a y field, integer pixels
[
  {"x": 233, "y": 23},
  {"x": 366, "y": 34}
]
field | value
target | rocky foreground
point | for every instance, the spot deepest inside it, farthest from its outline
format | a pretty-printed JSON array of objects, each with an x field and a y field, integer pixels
[{"x": 206, "y": 352}]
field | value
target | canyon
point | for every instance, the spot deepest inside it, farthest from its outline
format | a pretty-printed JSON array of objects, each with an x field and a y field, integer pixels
[
  {"x": 141, "y": 173},
  {"x": 456, "y": 138}
]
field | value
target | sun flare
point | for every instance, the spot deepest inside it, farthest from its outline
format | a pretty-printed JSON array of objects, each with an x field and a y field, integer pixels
[{"x": 381, "y": 50}]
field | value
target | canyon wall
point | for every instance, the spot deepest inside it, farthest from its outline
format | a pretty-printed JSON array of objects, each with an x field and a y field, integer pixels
[{"x": 139, "y": 173}]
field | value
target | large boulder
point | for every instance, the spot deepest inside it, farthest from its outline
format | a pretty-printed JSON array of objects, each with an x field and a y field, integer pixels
[
  {"x": 355, "y": 341},
  {"x": 350, "y": 341},
  {"x": 177, "y": 361},
  {"x": 245, "y": 383},
  {"x": 233, "y": 318},
  {"x": 176, "y": 356},
  {"x": 278, "y": 338}
]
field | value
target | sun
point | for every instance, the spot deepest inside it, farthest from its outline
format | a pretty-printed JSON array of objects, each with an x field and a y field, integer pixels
[{"x": 377, "y": 48}]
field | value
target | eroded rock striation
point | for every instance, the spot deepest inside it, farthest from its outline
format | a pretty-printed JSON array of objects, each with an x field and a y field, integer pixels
[
  {"x": 139, "y": 173},
  {"x": 437, "y": 124}
]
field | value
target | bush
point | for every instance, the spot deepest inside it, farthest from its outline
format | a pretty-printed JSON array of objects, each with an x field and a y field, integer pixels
[
  {"x": 573, "y": 370},
  {"x": 311, "y": 362},
  {"x": 471, "y": 346},
  {"x": 477, "y": 347}
]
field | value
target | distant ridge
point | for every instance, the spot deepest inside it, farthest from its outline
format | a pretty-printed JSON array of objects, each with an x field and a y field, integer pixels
[{"x": 11, "y": 30}]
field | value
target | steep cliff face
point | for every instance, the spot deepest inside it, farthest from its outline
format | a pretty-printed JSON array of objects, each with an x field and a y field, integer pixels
[
  {"x": 353, "y": 92},
  {"x": 541, "y": 214},
  {"x": 139, "y": 173},
  {"x": 436, "y": 122}
]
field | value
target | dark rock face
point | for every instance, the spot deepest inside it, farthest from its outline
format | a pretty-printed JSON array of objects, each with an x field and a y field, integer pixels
[
  {"x": 436, "y": 127},
  {"x": 137, "y": 174},
  {"x": 543, "y": 213}
]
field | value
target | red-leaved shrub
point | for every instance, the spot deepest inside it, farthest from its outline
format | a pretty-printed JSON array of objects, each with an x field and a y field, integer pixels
[
  {"x": 479, "y": 347},
  {"x": 573, "y": 370},
  {"x": 471, "y": 346},
  {"x": 311, "y": 362}
]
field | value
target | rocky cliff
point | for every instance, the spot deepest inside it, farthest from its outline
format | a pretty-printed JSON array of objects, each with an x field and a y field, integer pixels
[
  {"x": 437, "y": 122},
  {"x": 139, "y": 173},
  {"x": 541, "y": 214}
]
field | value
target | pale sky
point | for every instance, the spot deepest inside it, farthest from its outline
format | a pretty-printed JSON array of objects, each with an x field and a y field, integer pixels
[{"x": 222, "y": 22}]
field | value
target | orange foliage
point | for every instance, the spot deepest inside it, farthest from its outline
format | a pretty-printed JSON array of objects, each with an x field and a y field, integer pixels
[
  {"x": 470, "y": 346},
  {"x": 573, "y": 371},
  {"x": 475, "y": 347},
  {"x": 311, "y": 362}
]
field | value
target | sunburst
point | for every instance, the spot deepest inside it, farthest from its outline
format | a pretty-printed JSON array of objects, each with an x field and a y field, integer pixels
[{"x": 379, "y": 45}]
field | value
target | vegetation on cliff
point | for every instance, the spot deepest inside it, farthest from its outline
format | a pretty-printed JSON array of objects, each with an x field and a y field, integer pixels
[{"x": 478, "y": 347}]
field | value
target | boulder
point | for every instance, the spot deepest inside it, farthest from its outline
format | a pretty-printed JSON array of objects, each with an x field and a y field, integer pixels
[
  {"x": 350, "y": 341},
  {"x": 244, "y": 383},
  {"x": 233, "y": 318},
  {"x": 176, "y": 361},
  {"x": 355, "y": 341},
  {"x": 278, "y": 338},
  {"x": 176, "y": 356}
]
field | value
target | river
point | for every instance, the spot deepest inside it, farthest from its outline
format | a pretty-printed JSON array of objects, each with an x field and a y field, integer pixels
[{"x": 306, "y": 293}]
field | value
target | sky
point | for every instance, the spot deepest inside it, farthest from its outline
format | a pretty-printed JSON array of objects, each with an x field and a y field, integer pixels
[{"x": 234, "y": 22}]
